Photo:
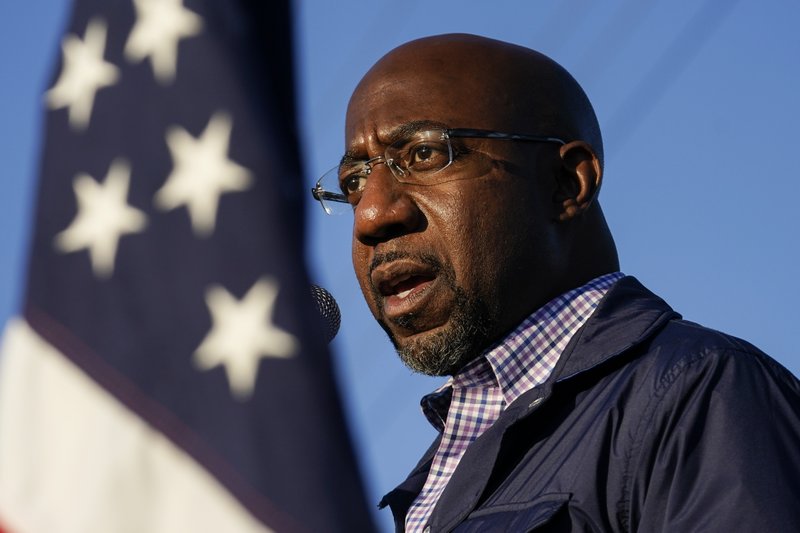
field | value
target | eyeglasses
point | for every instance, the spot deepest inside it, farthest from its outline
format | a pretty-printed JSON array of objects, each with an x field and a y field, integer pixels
[{"x": 418, "y": 159}]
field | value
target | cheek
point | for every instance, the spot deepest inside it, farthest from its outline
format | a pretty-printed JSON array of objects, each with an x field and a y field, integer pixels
[
  {"x": 476, "y": 231},
  {"x": 500, "y": 232},
  {"x": 360, "y": 258}
]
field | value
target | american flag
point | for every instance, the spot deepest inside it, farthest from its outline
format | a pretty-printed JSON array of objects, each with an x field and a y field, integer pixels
[{"x": 168, "y": 372}]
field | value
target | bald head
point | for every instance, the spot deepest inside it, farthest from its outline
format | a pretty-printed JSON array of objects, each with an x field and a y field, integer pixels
[{"x": 509, "y": 87}]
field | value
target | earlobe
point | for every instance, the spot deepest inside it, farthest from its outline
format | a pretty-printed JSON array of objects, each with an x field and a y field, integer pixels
[{"x": 579, "y": 181}]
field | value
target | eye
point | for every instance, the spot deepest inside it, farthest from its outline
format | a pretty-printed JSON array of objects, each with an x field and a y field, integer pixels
[
  {"x": 352, "y": 184},
  {"x": 426, "y": 156},
  {"x": 421, "y": 154}
]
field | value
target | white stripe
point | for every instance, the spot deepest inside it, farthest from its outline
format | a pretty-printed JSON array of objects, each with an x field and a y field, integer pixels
[{"x": 75, "y": 460}]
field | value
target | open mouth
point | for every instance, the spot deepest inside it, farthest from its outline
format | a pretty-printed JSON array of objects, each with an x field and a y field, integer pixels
[{"x": 402, "y": 285}]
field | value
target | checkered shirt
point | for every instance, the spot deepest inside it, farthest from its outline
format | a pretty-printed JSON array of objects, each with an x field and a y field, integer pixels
[{"x": 473, "y": 399}]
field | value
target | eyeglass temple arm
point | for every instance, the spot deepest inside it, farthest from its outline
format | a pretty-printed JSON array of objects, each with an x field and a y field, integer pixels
[
  {"x": 489, "y": 134},
  {"x": 321, "y": 194}
]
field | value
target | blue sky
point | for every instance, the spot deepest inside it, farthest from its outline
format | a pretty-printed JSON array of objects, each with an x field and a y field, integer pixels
[{"x": 699, "y": 109}]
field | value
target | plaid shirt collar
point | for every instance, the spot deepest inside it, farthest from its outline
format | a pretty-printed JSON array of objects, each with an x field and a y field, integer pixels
[{"x": 526, "y": 357}]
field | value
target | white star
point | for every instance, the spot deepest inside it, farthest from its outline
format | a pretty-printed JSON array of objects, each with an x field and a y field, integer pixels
[
  {"x": 242, "y": 333},
  {"x": 103, "y": 217},
  {"x": 201, "y": 173},
  {"x": 83, "y": 74},
  {"x": 160, "y": 24}
]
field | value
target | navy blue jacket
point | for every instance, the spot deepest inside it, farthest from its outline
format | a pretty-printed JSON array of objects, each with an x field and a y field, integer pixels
[{"x": 649, "y": 423}]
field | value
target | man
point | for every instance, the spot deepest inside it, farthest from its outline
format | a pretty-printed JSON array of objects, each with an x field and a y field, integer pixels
[{"x": 579, "y": 401}]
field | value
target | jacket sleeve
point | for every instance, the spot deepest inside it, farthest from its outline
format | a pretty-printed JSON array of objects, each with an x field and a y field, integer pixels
[{"x": 718, "y": 448}]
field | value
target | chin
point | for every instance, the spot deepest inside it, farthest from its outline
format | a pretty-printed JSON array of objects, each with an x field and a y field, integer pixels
[{"x": 444, "y": 350}]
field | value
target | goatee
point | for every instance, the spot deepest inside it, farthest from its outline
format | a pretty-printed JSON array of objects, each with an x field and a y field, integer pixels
[{"x": 457, "y": 343}]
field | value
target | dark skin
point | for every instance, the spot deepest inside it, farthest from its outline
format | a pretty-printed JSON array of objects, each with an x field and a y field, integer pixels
[{"x": 502, "y": 239}]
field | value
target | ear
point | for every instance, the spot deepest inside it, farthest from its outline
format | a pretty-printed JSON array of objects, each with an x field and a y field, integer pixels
[{"x": 579, "y": 180}]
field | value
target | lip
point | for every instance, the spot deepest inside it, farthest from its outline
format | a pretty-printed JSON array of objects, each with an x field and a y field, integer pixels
[{"x": 403, "y": 286}]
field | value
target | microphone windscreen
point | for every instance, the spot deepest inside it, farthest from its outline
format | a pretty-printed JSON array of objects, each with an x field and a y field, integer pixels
[{"x": 328, "y": 309}]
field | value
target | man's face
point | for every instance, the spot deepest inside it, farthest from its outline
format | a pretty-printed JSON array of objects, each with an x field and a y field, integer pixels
[{"x": 446, "y": 269}]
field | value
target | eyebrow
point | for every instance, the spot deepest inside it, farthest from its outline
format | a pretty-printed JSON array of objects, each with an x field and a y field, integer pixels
[{"x": 403, "y": 131}]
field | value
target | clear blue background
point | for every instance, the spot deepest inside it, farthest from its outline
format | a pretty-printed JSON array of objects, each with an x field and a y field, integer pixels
[{"x": 699, "y": 106}]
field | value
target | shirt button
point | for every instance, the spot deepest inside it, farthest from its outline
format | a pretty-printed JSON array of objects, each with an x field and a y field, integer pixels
[{"x": 427, "y": 529}]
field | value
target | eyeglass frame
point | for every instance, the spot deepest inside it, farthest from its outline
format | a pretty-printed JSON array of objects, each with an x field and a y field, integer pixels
[{"x": 322, "y": 195}]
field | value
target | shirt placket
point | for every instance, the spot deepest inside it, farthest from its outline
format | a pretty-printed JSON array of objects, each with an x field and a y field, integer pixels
[{"x": 476, "y": 404}]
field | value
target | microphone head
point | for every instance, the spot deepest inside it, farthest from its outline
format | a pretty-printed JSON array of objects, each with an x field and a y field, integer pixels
[{"x": 329, "y": 311}]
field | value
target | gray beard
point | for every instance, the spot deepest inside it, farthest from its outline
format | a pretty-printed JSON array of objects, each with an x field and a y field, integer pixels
[
  {"x": 447, "y": 351},
  {"x": 461, "y": 341}
]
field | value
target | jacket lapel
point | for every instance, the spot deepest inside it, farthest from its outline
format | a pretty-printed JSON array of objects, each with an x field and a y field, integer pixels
[{"x": 399, "y": 500}]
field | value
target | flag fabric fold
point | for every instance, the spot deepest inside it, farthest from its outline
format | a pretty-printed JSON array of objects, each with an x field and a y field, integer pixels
[{"x": 168, "y": 371}]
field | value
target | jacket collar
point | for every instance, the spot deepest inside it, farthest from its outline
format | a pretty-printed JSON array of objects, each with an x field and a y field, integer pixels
[{"x": 628, "y": 315}]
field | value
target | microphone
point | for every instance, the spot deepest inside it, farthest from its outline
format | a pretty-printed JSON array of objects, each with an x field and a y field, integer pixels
[{"x": 328, "y": 310}]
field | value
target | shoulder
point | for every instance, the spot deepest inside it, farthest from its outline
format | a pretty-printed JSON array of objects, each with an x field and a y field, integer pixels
[
  {"x": 684, "y": 352},
  {"x": 717, "y": 413}
]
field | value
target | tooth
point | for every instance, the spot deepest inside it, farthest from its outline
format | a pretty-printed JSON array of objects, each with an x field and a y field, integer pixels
[{"x": 403, "y": 294}]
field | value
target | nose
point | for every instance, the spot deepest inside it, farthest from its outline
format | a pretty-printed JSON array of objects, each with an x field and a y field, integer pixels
[{"x": 385, "y": 210}]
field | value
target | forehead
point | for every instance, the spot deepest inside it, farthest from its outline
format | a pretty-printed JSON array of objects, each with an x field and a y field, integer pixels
[{"x": 428, "y": 89}]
